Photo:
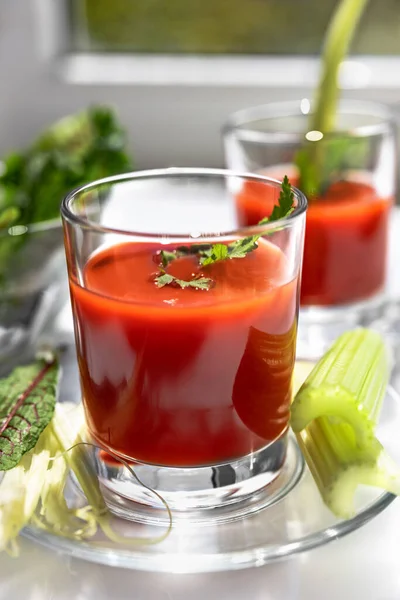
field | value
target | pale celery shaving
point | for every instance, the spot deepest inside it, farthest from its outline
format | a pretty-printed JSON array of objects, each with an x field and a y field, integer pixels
[
  {"x": 334, "y": 415},
  {"x": 54, "y": 514},
  {"x": 33, "y": 491},
  {"x": 67, "y": 427},
  {"x": 19, "y": 495}
]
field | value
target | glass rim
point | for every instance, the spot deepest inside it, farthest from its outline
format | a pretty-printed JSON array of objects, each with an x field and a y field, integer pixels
[
  {"x": 237, "y": 121},
  {"x": 84, "y": 223}
]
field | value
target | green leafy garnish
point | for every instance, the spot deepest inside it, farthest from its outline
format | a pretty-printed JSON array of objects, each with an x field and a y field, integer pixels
[
  {"x": 285, "y": 203},
  {"x": 240, "y": 248},
  {"x": 310, "y": 160},
  {"x": 27, "y": 399},
  {"x": 77, "y": 149},
  {"x": 167, "y": 257},
  {"x": 207, "y": 255},
  {"x": 216, "y": 252},
  {"x": 199, "y": 283}
]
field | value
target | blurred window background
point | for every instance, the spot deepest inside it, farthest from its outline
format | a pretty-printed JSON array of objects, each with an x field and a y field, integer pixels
[
  {"x": 175, "y": 69},
  {"x": 276, "y": 27}
]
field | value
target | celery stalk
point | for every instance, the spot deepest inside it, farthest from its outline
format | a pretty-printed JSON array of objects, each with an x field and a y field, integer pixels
[
  {"x": 339, "y": 35},
  {"x": 338, "y": 465},
  {"x": 349, "y": 382},
  {"x": 334, "y": 416},
  {"x": 302, "y": 369}
]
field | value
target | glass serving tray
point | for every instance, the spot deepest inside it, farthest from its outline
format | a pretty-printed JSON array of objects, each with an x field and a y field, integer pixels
[{"x": 293, "y": 520}]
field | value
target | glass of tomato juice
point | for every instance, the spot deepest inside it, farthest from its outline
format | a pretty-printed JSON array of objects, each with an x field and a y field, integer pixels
[
  {"x": 185, "y": 369},
  {"x": 346, "y": 242}
]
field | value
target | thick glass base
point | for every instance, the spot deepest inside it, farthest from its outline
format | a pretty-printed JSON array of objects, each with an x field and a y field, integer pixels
[
  {"x": 319, "y": 326},
  {"x": 222, "y": 492}
]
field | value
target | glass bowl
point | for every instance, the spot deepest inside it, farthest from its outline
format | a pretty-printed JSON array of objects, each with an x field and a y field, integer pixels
[{"x": 33, "y": 287}]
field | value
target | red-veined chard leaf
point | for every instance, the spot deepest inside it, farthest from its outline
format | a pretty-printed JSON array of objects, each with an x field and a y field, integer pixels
[{"x": 27, "y": 400}]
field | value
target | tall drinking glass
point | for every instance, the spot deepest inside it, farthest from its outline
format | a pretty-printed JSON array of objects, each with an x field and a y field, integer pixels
[
  {"x": 185, "y": 368},
  {"x": 345, "y": 253}
]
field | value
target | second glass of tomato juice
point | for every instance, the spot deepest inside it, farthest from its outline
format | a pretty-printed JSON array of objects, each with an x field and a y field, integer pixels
[
  {"x": 346, "y": 242},
  {"x": 185, "y": 326}
]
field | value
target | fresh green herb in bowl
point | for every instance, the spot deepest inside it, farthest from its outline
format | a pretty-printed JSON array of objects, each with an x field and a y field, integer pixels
[{"x": 33, "y": 284}]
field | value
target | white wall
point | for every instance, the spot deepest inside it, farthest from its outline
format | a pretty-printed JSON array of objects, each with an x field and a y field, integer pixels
[{"x": 168, "y": 124}]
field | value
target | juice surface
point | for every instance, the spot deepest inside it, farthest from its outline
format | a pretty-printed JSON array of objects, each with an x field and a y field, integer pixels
[
  {"x": 185, "y": 377},
  {"x": 346, "y": 240}
]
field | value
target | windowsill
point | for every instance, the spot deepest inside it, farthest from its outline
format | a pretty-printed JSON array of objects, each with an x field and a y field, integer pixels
[{"x": 362, "y": 72}]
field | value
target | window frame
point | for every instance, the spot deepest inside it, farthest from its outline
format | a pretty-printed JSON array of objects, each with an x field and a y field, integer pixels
[
  {"x": 173, "y": 108},
  {"x": 292, "y": 71}
]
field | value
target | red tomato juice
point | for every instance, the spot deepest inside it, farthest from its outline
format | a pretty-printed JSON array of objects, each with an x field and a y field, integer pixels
[
  {"x": 345, "y": 248},
  {"x": 185, "y": 377}
]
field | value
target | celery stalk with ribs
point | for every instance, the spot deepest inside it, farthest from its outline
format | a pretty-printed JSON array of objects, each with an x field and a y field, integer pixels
[{"x": 334, "y": 416}]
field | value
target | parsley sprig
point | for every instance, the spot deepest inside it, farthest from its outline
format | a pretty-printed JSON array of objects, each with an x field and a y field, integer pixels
[
  {"x": 209, "y": 254},
  {"x": 240, "y": 248},
  {"x": 198, "y": 283}
]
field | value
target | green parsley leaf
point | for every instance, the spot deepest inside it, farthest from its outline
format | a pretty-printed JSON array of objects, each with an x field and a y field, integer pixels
[
  {"x": 217, "y": 252},
  {"x": 27, "y": 400},
  {"x": 167, "y": 257},
  {"x": 240, "y": 248},
  {"x": 209, "y": 255},
  {"x": 200, "y": 283},
  {"x": 164, "y": 279},
  {"x": 285, "y": 203}
]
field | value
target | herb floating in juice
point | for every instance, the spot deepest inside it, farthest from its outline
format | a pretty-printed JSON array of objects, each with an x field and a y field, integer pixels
[
  {"x": 207, "y": 254},
  {"x": 200, "y": 283},
  {"x": 316, "y": 161}
]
